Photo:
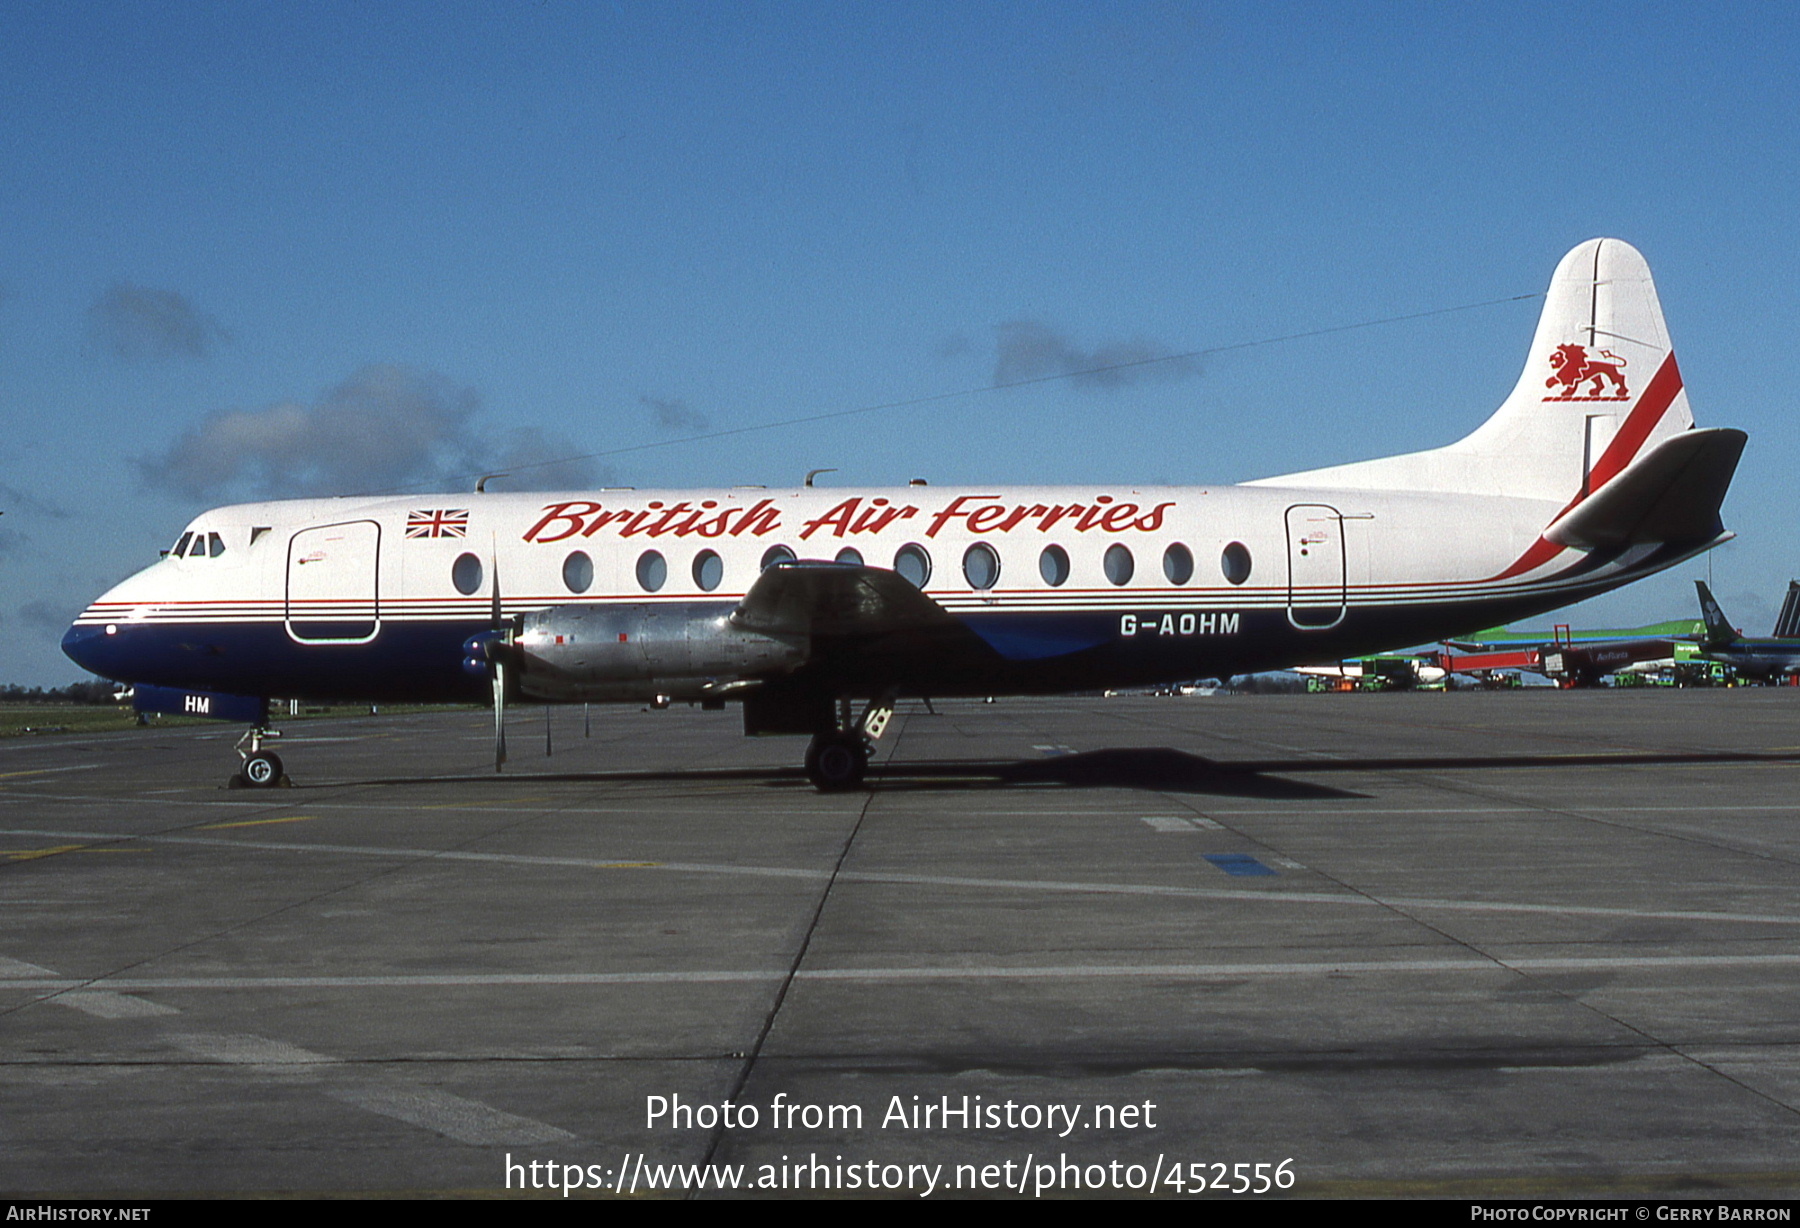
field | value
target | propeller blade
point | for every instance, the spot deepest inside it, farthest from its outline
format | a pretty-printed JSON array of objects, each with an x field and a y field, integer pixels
[
  {"x": 499, "y": 714},
  {"x": 497, "y": 621}
]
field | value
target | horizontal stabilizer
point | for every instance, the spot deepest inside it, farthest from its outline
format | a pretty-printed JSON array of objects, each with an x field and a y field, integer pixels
[{"x": 1671, "y": 493}]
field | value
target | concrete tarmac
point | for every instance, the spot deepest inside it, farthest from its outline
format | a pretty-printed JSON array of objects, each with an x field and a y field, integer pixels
[{"x": 1529, "y": 944}]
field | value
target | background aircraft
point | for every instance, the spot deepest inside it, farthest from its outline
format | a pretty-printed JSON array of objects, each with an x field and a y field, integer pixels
[
  {"x": 1394, "y": 671},
  {"x": 1765, "y": 659}
]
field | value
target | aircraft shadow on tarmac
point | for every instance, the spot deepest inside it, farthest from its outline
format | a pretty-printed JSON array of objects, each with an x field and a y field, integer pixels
[{"x": 1155, "y": 769}]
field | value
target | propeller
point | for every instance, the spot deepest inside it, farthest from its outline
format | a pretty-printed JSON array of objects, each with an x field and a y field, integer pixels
[
  {"x": 491, "y": 653},
  {"x": 496, "y": 654}
]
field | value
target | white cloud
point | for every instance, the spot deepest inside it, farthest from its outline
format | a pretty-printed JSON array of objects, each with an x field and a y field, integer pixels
[
  {"x": 386, "y": 427},
  {"x": 138, "y": 324}
]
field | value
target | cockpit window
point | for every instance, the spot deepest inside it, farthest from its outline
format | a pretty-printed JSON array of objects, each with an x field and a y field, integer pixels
[
  {"x": 215, "y": 545},
  {"x": 198, "y": 549},
  {"x": 181, "y": 546}
]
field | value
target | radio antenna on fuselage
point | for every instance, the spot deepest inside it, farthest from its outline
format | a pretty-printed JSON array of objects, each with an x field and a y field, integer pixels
[{"x": 960, "y": 393}]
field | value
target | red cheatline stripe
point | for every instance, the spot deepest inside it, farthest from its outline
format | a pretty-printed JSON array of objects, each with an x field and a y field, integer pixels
[
  {"x": 1620, "y": 452},
  {"x": 1638, "y": 425}
]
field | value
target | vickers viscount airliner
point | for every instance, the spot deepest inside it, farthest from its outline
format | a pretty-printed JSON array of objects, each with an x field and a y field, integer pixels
[{"x": 805, "y": 605}]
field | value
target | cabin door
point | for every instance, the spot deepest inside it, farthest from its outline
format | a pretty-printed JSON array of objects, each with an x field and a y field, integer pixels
[
  {"x": 1315, "y": 535},
  {"x": 332, "y": 587}
]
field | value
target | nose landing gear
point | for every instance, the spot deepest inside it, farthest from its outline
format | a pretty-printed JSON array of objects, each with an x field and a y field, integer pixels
[{"x": 262, "y": 768}]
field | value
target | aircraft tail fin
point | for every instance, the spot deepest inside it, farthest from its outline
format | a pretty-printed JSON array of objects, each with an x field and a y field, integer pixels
[
  {"x": 1718, "y": 628},
  {"x": 1787, "y": 626},
  {"x": 1600, "y": 387}
]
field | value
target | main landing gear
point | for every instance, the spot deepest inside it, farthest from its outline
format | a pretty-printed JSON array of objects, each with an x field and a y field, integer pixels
[
  {"x": 262, "y": 768},
  {"x": 837, "y": 758}
]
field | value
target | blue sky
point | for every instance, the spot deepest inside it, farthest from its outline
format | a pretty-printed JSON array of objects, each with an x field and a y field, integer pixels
[{"x": 233, "y": 236}]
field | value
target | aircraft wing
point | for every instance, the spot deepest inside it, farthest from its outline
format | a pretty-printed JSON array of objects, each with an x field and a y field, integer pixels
[{"x": 837, "y": 600}]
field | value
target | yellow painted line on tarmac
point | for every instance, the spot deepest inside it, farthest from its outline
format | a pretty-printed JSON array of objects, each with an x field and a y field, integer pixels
[
  {"x": 298, "y": 818},
  {"x": 514, "y": 801},
  {"x": 36, "y": 854}
]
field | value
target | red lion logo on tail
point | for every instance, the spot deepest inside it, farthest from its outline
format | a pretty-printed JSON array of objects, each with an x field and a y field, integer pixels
[{"x": 1574, "y": 368}]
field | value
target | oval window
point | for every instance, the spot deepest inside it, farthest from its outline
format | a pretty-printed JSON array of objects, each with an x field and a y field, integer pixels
[
  {"x": 1053, "y": 565},
  {"x": 652, "y": 571},
  {"x": 465, "y": 573},
  {"x": 709, "y": 570},
  {"x": 1118, "y": 564},
  {"x": 913, "y": 564},
  {"x": 981, "y": 566},
  {"x": 1235, "y": 562},
  {"x": 774, "y": 555},
  {"x": 578, "y": 573},
  {"x": 1178, "y": 564},
  {"x": 851, "y": 555}
]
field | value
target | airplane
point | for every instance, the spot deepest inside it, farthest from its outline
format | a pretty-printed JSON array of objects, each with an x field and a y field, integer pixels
[
  {"x": 802, "y": 604},
  {"x": 1765, "y": 659},
  {"x": 1383, "y": 672}
]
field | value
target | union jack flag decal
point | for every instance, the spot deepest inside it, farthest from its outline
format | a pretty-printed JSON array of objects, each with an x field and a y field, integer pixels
[{"x": 438, "y": 524}]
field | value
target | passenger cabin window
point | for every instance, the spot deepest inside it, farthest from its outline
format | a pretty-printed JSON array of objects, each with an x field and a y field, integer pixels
[
  {"x": 913, "y": 564},
  {"x": 1235, "y": 562},
  {"x": 709, "y": 570},
  {"x": 774, "y": 555},
  {"x": 578, "y": 572},
  {"x": 1053, "y": 565},
  {"x": 652, "y": 571},
  {"x": 1119, "y": 565},
  {"x": 981, "y": 566},
  {"x": 1178, "y": 564},
  {"x": 465, "y": 573},
  {"x": 851, "y": 555}
]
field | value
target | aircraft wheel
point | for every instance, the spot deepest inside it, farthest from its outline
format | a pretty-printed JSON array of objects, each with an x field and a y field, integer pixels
[
  {"x": 262, "y": 770},
  {"x": 836, "y": 761}
]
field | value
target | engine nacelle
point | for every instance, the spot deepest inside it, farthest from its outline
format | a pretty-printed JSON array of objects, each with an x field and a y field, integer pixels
[{"x": 645, "y": 652}]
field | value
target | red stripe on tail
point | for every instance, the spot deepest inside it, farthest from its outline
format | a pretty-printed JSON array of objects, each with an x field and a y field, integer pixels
[{"x": 1619, "y": 453}]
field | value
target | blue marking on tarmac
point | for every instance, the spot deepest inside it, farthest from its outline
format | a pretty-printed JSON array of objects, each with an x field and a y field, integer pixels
[{"x": 1239, "y": 865}]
